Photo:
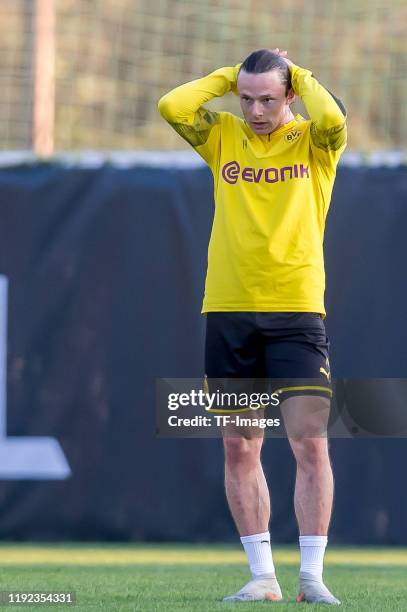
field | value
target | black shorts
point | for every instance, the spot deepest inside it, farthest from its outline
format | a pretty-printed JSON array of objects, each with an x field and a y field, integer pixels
[{"x": 285, "y": 353}]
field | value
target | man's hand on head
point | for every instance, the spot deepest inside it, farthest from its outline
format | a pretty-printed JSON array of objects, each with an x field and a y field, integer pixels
[{"x": 283, "y": 55}]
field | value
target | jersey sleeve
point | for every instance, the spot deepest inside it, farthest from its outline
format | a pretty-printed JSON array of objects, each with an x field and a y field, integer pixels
[
  {"x": 327, "y": 114},
  {"x": 183, "y": 109}
]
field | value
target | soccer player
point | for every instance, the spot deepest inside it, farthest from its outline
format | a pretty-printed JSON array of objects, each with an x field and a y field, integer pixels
[{"x": 264, "y": 293}]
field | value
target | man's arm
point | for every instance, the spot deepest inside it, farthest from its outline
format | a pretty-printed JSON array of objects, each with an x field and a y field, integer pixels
[
  {"x": 182, "y": 108},
  {"x": 327, "y": 113}
]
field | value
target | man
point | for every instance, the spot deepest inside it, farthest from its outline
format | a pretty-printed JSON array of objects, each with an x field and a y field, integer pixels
[{"x": 264, "y": 293}]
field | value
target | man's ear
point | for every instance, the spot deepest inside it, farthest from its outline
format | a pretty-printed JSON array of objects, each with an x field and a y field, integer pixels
[{"x": 290, "y": 96}]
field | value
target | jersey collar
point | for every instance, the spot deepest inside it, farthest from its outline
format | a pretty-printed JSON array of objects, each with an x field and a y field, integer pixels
[{"x": 268, "y": 137}]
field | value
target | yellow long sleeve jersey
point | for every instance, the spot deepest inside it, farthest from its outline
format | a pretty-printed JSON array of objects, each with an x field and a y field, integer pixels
[{"x": 272, "y": 194}]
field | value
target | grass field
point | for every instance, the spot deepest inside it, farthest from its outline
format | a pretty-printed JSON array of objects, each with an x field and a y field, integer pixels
[{"x": 168, "y": 578}]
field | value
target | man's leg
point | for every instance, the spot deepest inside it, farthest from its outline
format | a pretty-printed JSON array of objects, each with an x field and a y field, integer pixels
[
  {"x": 234, "y": 363},
  {"x": 249, "y": 502},
  {"x": 306, "y": 421},
  {"x": 246, "y": 487}
]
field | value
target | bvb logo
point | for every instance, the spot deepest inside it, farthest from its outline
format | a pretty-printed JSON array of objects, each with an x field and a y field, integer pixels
[{"x": 292, "y": 136}]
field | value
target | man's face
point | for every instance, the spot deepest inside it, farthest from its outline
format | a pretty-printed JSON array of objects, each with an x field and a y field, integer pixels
[{"x": 263, "y": 100}]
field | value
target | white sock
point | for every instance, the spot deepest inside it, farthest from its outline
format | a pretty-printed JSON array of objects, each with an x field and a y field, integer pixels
[
  {"x": 312, "y": 554},
  {"x": 258, "y": 550}
]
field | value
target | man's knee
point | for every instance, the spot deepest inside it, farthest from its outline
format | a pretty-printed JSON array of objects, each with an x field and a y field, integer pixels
[
  {"x": 242, "y": 451},
  {"x": 311, "y": 452}
]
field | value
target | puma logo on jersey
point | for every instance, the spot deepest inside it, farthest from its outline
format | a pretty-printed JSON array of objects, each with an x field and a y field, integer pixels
[{"x": 327, "y": 374}]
